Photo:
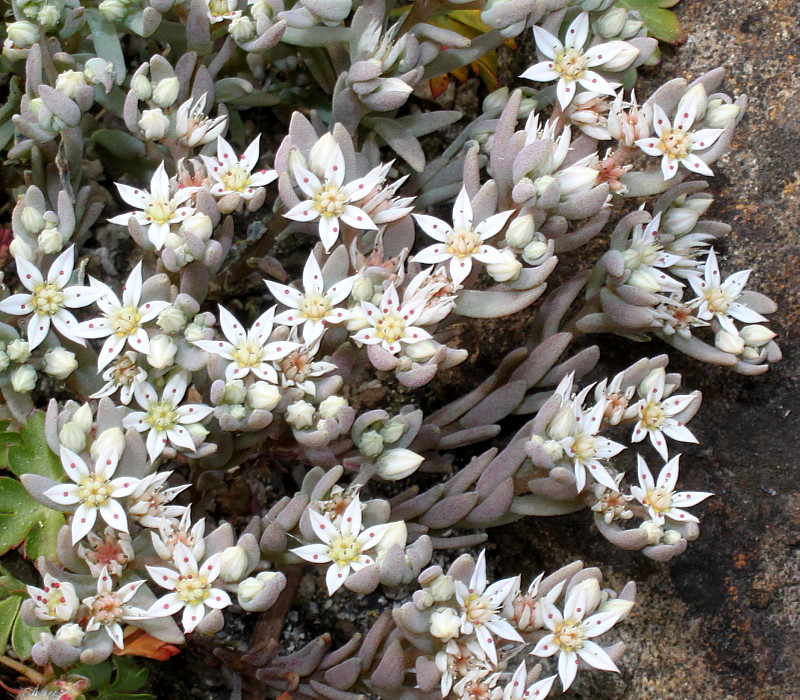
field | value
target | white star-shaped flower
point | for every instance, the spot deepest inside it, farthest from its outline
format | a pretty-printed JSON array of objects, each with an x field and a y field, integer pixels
[
  {"x": 248, "y": 351},
  {"x": 516, "y": 690},
  {"x": 95, "y": 491},
  {"x": 123, "y": 376},
  {"x": 391, "y": 324},
  {"x": 331, "y": 201},
  {"x": 163, "y": 417},
  {"x": 463, "y": 242},
  {"x": 191, "y": 585},
  {"x": 121, "y": 321},
  {"x": 717, "y": 299},
  {"x": 570, "y": 636},
  {"x": 109, "y": 607},
  {"x": 343, "y": 546},
  {"x": 313, "y": 308},
  {"x": 569, "y": 63},
  {"x": 646, "y": 259},
  {"x": 149, "y": 504},
  {"x": 677, "y": 143},
  {"x": 480, "y": 607},
  {"x": 659, "y": 497},
  {"x": 219, "y": 10},
  {"x": 656, "y": 416},
  {"x": 48, "y": 299},
  {"x": 585, "y": 448},
  {"x": 56, "y": 602},
  {"x": 234, "y": 175},
  {"x": 159, "y": 208}
]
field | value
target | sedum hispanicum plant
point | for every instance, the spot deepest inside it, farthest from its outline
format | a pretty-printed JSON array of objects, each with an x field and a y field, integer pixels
[{"x": 230, "y": 257}]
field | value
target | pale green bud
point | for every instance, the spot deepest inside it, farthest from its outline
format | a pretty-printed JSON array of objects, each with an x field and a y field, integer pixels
[
  {"x": 520, "y": 232},
  {"x": 69, "y": 82},
  {"x": 331, "y": 406},
  {"x": 83, "y": 418},
  {"x": 199, "y": 225},
  {"x": 300, "y": 415},
  {"x": 394, "y": 429},
  {"x": 113, "y": 11},
  {"x": 495, "y": 101},
  {"x": 110, "y": 440},
  {"x": 162, "y": 352},
  {"x": 363, "y": 289},
  {"x": 242, "y": 29},
  {"x": 653, "y": 376},
  {"x": 756, "y": 335},
  {"x": 398, "y": 463},
  {"x": 235, "y": 392},
  {"x": 534, "y": 252},
  {"x": 618, "y": 606},
  {"x": 171, "y": 319},
  {"x": 720, "y": 113},
  {"x": 31, "y": 219},
  {"x": 4, "y": 360},
  {"x": 371, "y": 443},
  {"x": 50, "y": 241},
  {"x": 237, "y": 411},
  {"x": 194, "y": 332},
  {"x": 263, "y": 395},
  {"x": 23, "y": 379},
  {"x": 421, "y": 351},
  {"x": 20, "y": 249},
  {"x": 672, "y": 537},
  {"x": 23, "y": 34},
  {"x": 19, "y": 350},
  {"x": 154, "y": 124},
  {"x": 612, "y": 22},
  {"x": 728, "y": 342},
  {"x": 48, "y": 17},
  {"x": 140, "y": 84},
  {"x": 71, "y": 634},
  {"x": 72, "y": 437},
  {"x": 445, "y": 624},
  {"x": 654, "y": 532},
  {"x": 251, "y": 587},
  {"x": 60, "y": 363},
  {"x": 505, "y": 270},
  {"x": 561, "y": 424},
  {"x": 165, "y": 92},
  {"x": 233, "y": 564}
]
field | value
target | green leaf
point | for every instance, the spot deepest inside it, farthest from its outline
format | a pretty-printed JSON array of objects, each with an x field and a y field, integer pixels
[
  {"x": 42, "y": 541},
  {"x": 121, "y": 145},
  {"x": 34, "y": 455},
  {"x": 106, "y": 42},
  {"x": 8, "y": 613},
  {"x": 23, "y": 638},
  {"x": 19, "y": 513},
  {"x": 662, "y": 24},
  {"x": 129, "y": 676}
]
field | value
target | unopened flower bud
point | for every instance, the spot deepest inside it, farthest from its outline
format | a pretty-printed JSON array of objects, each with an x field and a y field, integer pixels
[
  {"x": 623, "y": 60},
  {"x": 672, "y": 537},
  {"x": 322, "y": 153},
  {"x": 171, "y": 319},
  {"x": 23, "y": 379},
  {"x": 371, "y": 443},
  {"x": 71, "y": 634},
  {"x": 756, "y": 335},
  {"x": 520, "y": 232},
  {"x": 197, "y": 432},
  {"x": 424, "y": 350},
  {"x": 643, "y": 279},
  {"x": 69, "y": 82},
  {"x": 165, "y": 92},
  {"x": 631, "y": 28},
  {"x": 495, "y": 101},
  {"x": 394, "y": 429},
  {"x": 154, "y": 124},
  {"x": 19, "y": 350},
  {"x": 653, "y": 531},
  {"x": 331, "y": 406},
  {"x": 300, "y": 415},
  {"x": 242, "y": 29},
  {"x": 194, "y": 332},
  {"x": 31, "y": 219},
  {"x": 113, "y": 11},
  {"x": 728, "y": 342},
  {"x": 561, "y": 423},
  {"x": 233, "y": 564},
  {"x": 263, "y": 395},
  {"x": 396, "y": 534},
  {"x": 237, "y": 411},
  {"x": 554, "y": 449},
  {"x": 612, "y": 22},
  {"x": 72, "y": 437},
  {"x": 442, "y": 588},
  {"x": 363, "y": 289},
  {"x": 60, "y": 363},
  {"x": 534, "y": 251},
  {"x": 235, "y": 392},
  {"x": 251, "y": 587},
  {"x": 23, "y": 34},
  {"x": 398, "y": 463},
  {"x": 110, "y": 440},
  {"x": 653, "y": 377},
  {"x": 618, "y": 606},
  {"x": 720, "y": 113},
  {"x": 592, "y": 588},
  {"x": 445, "y": 624},
  {"x": 162, "y": 352},
  {"x": 20, "y": 249},
  {"x": 4, "y": 360},
  {"x": 82, "y": 418},
  {"x": 698, "y": 93},
  {"x": 48, "y": 16},
  {"x": 140, "y": 83},
  {"x": 50, "y": 241},
  {"x": 199, "y": 225},
  {"x": 505, "y": 269}
]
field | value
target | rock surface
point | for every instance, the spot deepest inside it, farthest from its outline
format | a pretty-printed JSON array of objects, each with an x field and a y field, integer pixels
[{"x": 719, "y": 622}]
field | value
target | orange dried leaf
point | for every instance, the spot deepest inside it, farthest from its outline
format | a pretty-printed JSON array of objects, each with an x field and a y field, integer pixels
[{"x": 140, "y": 643}]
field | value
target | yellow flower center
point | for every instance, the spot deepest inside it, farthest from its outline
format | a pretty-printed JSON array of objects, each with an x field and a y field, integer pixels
[
  {"x": 676, "y": 143},
  {"x": 344, "y": 550},
  {"x": 315, "y": 306},
  {"x": 477, "y": 609},
  {"x": 161, "y": 415},
  {"x": 236, "y": 178},
  {"x": 47, "y": 299},
  {"x": 569, "y": 635},
  {"x": 330, "y": 201},
  {"x": 94, "y": 491},
  {"x": 125, "y": 320},
  {"x": 653, "y": 416},
  {"x": 160, "y": 210},
  {"x": 248, "y": 354},
  {"x": 218, "y": 8},
  {"x": 584, "y": 447},
  {"x": 124, "y": 370},
  {"x": 718, "y": 301},
  {"x": 192, "y": 589},
  {"x": 659, "y": 500},
  {"x": 391, "y": 327},
  {"x": 570, "y": 64},
  {"x": 463, "y": 242}
]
